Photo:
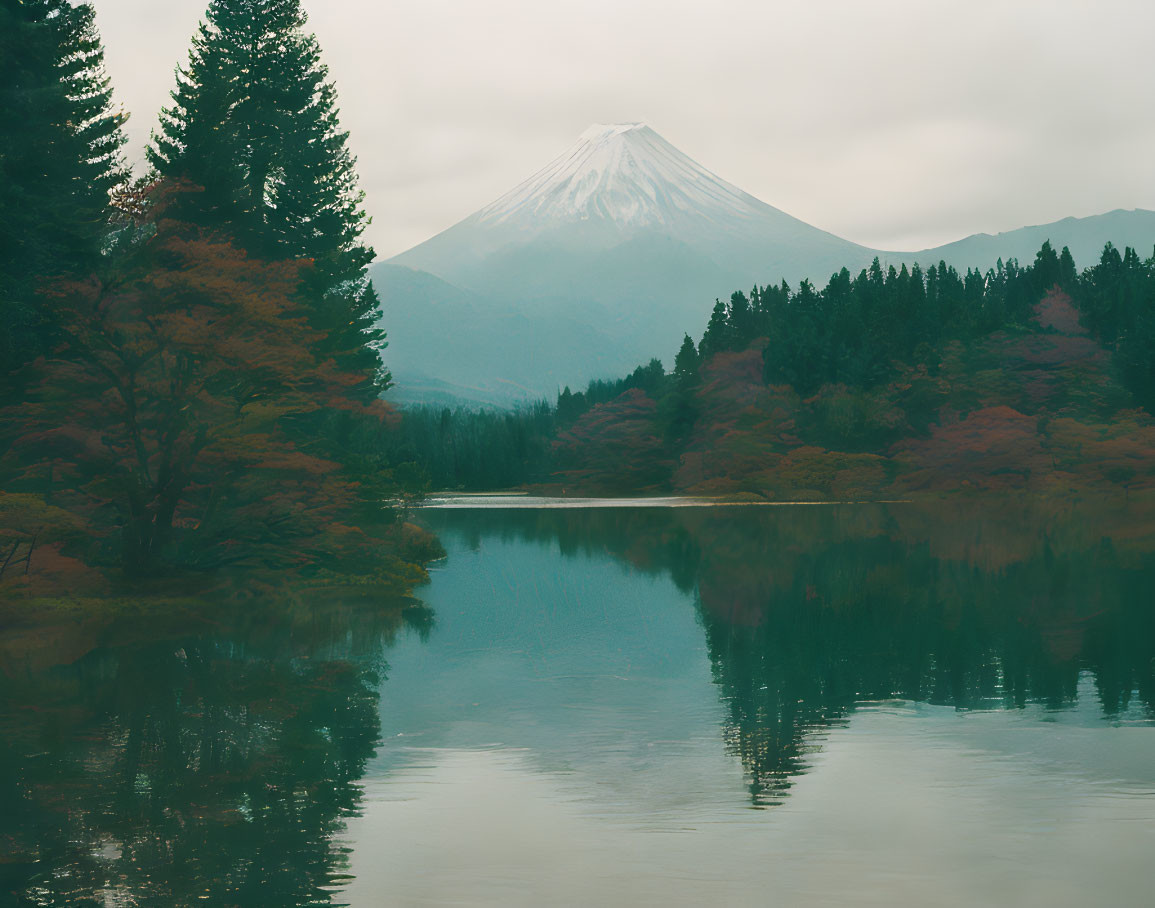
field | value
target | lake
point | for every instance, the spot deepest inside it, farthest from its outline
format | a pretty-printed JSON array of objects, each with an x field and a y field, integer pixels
[{"x": 948, "y": 704}]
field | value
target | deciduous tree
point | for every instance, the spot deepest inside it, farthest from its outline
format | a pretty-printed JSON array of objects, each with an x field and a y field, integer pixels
[{"x": 169, "y": 414}]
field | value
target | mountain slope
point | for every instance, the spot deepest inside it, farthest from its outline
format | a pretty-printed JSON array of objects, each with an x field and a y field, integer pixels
[
  {"x": 616, "y": 184},
  {"x": 448, "y": 345},
  {"x": 607, "y": 255},
  {"x": 622, "y": 236}
]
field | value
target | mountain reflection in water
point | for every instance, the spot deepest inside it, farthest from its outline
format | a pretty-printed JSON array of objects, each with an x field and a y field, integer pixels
[{"x": 215, "y": 763}]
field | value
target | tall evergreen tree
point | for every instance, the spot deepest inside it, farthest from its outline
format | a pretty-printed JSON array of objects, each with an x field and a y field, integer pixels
[
  {"x": 1068, "y": 273},
  {"x": 742, "y": 325},
  {"x": 60, "y": 143},
  {"x": 1048, "y": 267},
  {"x": 714, "y": 340},
  {"x": 686, "y": 361},
  {"x": 254, "y": 123}
]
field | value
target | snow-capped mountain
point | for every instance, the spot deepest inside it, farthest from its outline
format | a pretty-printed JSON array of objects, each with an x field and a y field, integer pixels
[
  {"x": 623, "y": 184},
  {"x": 600, "y": 260},
  {"x": 607, "y": 255},
  {"x": 626, "y": 174}
]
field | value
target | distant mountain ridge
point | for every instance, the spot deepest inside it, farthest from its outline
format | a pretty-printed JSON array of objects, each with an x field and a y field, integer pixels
[
  {"x": 1085, "y": 237},
  {"x": 608, "y": 254}
]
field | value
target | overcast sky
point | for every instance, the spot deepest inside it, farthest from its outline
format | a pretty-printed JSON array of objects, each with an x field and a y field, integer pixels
[{"x": 899, "y": 124}]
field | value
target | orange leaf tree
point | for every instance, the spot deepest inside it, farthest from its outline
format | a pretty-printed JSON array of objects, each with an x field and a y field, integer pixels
[{"x": 173, "y": 413}]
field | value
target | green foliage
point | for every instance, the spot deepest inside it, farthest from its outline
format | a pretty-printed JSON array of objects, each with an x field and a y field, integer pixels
[
  {"x": 60, "y": 159},
  {"x": 892, "y": 381},
  {"x": 204, "y": 399},
  {"x": 857, "y": 331},
  {"x": 254, "y": 123},
  {"x": 1117, "y": 301},
  {"x": 475, "y": 450},
  {"x": 1068, "y": 274},
  {"x": 687, "y": 360}
]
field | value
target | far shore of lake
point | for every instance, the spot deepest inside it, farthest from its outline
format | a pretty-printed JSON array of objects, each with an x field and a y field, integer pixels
[{"x": 525, "y": 501}]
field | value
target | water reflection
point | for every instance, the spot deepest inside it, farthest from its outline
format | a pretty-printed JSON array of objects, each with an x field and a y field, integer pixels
[
  {"x": 809, "y": 613},
  {"x": 210, "y": 766},
  {"x": 665, "y": 668}
]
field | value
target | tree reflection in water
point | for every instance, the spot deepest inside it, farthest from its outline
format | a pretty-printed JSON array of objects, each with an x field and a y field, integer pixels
[
  {"x": 810, "y": 612},
  {"x": 209, "y": 767},
  {"x": 145, "y": 766}
]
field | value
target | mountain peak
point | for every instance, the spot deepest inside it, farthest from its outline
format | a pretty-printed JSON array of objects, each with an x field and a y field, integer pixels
[
  {"x": 623, "y": 174},
  {"x": 601, "y": 132}
]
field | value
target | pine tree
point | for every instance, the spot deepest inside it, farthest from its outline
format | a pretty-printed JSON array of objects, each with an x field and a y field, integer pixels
[
  {"x": 714, "y": 340},
  {"x": 1048, "y": 268},
  {"x": 254, "y": 123},
  {"x": 741, "y": 321},
  {"x": 1068, "y": 273},
  {"x": 686, "y": 361},
  {"x": 60, "y": 159}
]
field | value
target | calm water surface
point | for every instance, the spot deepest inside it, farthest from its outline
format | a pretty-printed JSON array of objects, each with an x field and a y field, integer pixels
[{"x": 891, "y": 705}]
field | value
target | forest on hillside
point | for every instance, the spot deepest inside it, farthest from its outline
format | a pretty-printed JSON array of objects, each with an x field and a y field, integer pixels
[{"x": 1036, "y": 377}]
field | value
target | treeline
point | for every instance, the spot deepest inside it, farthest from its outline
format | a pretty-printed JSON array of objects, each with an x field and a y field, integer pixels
[
  {"x": 862, "y": 361},
  {"x": 855, "y": 331},
  {"x": 483, "y": 449},
  {"x": 475, "y": 450},
  {"x": 191, "y": 366}
]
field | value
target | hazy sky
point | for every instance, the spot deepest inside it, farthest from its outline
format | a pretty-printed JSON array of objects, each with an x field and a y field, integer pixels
[{"x": 898, "y": 124}]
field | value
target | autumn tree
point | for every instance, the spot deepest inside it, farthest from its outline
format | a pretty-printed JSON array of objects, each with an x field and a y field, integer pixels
[
  {"x": 169, "y": 414},
  {"x": 615, "y": 447}
]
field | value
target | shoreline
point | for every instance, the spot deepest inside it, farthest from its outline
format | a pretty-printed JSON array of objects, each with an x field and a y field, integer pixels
[{"x": 525, "y": 501}]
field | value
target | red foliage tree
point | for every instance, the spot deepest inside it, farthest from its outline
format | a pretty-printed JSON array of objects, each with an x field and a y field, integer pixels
[
  {"x": 172, "y": 414},
  {"x": 615, "y": 447}
]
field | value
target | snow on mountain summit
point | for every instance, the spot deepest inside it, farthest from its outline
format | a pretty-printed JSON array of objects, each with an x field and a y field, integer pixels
[
  {"x": 622, "y": 173},
  {"x": 623, "y": 187}
]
